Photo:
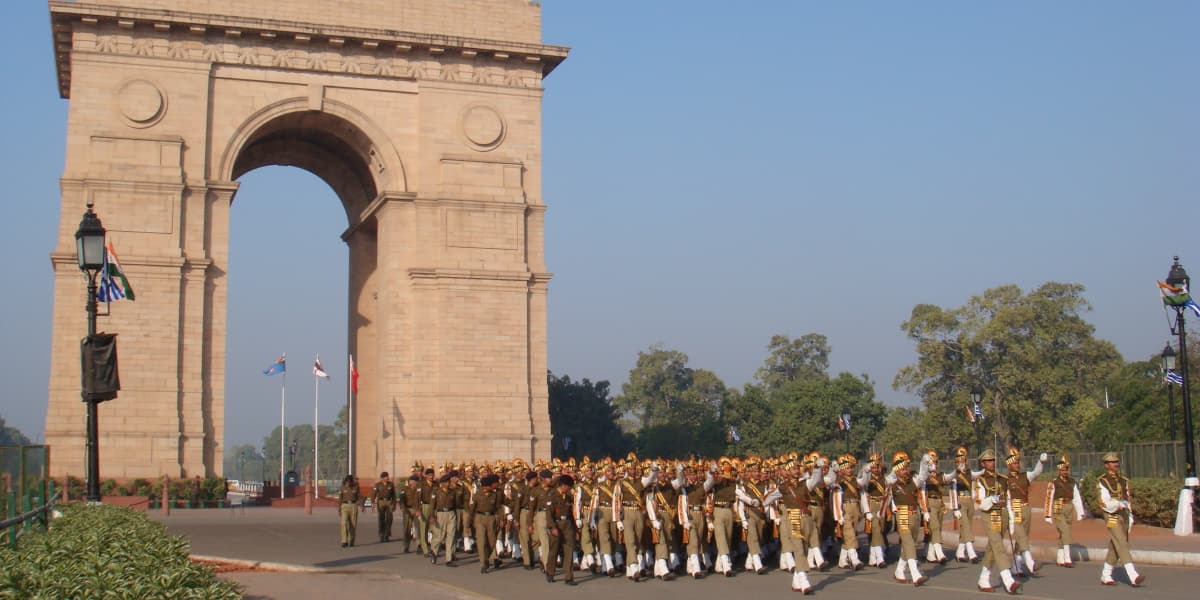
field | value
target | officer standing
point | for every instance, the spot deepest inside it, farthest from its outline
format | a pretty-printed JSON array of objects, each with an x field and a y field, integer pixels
[
  {"x": 445, "y": 506},
  {"x": 383, "y": 498},
  {"x": 990, "y": 496},
  {"x": 348, "y": 507}
]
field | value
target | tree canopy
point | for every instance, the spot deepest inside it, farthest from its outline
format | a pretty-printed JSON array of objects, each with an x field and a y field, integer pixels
[
  {"x": 11, "y": 436},
  {"x": 1041, "y": 371},
  {"x": 583, "y": 419}
]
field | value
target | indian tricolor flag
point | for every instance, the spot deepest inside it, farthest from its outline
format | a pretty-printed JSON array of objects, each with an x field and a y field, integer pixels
[
  {"x": 113, "y": 283},
  {"x": 1177, "y": 297}
]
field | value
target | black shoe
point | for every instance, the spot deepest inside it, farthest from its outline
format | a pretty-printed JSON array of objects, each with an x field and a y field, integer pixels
[
  {"x": 483, "y": 569},
  {"x": 496, "y": 563},
  {"x": 528, "y": 567},
  {"x": 433, "y": 558},
  {"x": 549, "y": 578},
  {"x": 668, "y": 576},
  {"x": 344, "y": 544},
  {"x": 351, "y": 543},
  {"x": 571, "y": 582},
  {"x": 450, "y": 564}
]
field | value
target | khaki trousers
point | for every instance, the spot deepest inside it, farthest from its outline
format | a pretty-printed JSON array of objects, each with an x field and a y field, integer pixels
[
  {"x": 1021, "y": 523},
  {"x": 349, "y": 516},
  {"x": 635, "y": 528},
  {"x": 754, "y": 533},
  {"x": 604, "y": 530},
  {"x": 587, "y": 543},
  {"x": 384, "y": 512},
  {"x": 1062, "y": 522},
  {"x": 878, "y": 530},
  {"x": 850, "y": 518},
  {"x": 937, "y": 510},
  {"x": 908, "y": 526},
  {"x": 723, "y": 529},
  {"x": 543, "y": 535},
  {"x": 799, "y": 535},
  {"x": 698, "y": 528},
  {"x": 444, "y": 533},
  {"x": 525, "y": 536},
  {"x": 1118, "y": 539},
  {"x": 486, "y": 527},
  {"x": 564, "y": 542},
  {"x": 966, "y": 525},
  {"x": 424, "y": 525},
  {"x": 996, "y": 557}
]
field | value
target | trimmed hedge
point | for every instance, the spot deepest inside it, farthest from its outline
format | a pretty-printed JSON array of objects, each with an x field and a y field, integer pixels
[
  {"x": 105, "y": 552},
  {"x": 1155, "y": 500}
]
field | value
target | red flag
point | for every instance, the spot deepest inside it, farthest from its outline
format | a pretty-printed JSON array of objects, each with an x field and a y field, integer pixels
[
  {"x": 970, "y": 415},
  {"x": 353, "y": 376}
]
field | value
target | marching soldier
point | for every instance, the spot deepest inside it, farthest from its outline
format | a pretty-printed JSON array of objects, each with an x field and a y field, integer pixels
[
  {"x": 561, "y": 519},
  {"x": 1115, "y": 499},
  {"x": 631, "y": 522},
  {"x": 724, "y": 495},
  {"x": 934, "y": 491},
  {"x": 695, "y": 509},
  {"x": 486, "y": 508},
  {"x": 348, "y": 507},
  {"x": 963, "y": 506},
  {"x": 1063, "y": 506},
  {"x": 990, "y": 496},
  {"x": 662, "y": 507},
  {"x": 817, "y": 502},
  {"x": 425, "y": 523},
  {"x": 383, "y": 498},
  {"x": 904, "y": 489},
  {"x": 585, "y": 516},
  {"x": 604, "y": 506},
  {"x": 527, "y": 502},
  {"x": 797, "y": 520},
  {"x": 408, "y": 502},
  {"x": 466, "y": 491},
  {"x": 445, "y": 501},
  {"x": 541, "y": 518},
  {"x": 752, "y": 505},
  {"x": 1020, "y": 513},
  {"x": 877, "y": 510},
  {"x": 848, "y": 499}
]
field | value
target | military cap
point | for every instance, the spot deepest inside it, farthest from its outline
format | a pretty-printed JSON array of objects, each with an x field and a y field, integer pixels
[
  {"x": 414, "y": 477},
  {"x": 960, "y": 453},
  {"x": 1014, "y": 455},
  {"x": 875, "y": 457},
  {"x": 489, "y": 480},
  {"x": 566, "y": 480},
  {"x": 899, "y": 459},
  {"x": 444, "y": 478},
  {"x": 1112, "y": 457},
  {"x": 383, "y": 474},
  {"x": 1063, "y": 461},
  {"x": 988, "y": 454},
  {"x": 530, "y": 476},
  {"x": 545, "y": 474},
  {"x": 429, "y": 471}
]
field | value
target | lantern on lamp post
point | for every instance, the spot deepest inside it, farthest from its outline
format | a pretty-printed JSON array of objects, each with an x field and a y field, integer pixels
[{"x": 89, "y": 248}]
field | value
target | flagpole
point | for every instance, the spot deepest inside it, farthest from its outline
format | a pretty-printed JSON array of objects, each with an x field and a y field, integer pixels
[
  {"x": 316, "y": 432},
  {"x": 282, "y": 428},
  {"x": 350, "y": 416}
]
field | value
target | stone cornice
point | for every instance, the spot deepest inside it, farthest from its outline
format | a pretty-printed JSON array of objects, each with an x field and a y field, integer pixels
[{"x": 387, "y": 45}]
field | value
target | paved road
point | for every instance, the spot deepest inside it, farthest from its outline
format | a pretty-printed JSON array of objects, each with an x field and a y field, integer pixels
[{"x": 371, "y": 569}]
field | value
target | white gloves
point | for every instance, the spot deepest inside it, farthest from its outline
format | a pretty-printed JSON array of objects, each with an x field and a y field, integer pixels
[
  {"x": 925, "y": 516},
  {"x": 509, "y": 516},
  {"x": 821, "y": 462},
  {"x": 1044, "y": 457},
  {"x": 656, "y": 523},
  {"x": 987, "y": 503},
  {"x": 753, "y": 502},
  {"x": 958, "y": 514},
  {"x": 1050, "y": 519},
  {"x": 745, "y": 524},
  {"x": 578, "y": 523},
  {"x": 620, "y": 526},
  {"x": 870, "y": 515}
]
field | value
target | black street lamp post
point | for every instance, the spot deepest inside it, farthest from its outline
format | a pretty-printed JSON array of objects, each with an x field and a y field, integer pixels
[
  {"x": 1168, "y": 365},
  {"x": 976, "y": 397},
  {"x": 89, "y": 247},
  {"x": 1178, "y": 278}
]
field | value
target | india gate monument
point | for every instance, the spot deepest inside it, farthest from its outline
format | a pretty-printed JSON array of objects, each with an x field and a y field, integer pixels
[{"x": 423, "y": 116}]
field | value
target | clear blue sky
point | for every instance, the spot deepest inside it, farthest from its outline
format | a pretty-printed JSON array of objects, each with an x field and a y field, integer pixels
[{"x": 721, "y": 172}]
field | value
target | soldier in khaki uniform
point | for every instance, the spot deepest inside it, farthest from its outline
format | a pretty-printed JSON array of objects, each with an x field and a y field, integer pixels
[
  {"x": 631, "y": 522},
  {"x": 348, "y": 509},
  {"x": 1020, "y": 511},
  {"x": 585, "y": 516},
  {"x": 662, "y": 509},
  {"x": 445, "y": 501},
  {"x": 426, "y": 522},
  {"x": 724, "y": 495},
  {"x": 963, "y": 506},
  {"x": 1063, "y": 507},
  {"x": 527, "y": 503},
  {"x": 906, "y": 500},
  {"x": 991, "y": 497},
  {"x": 797, "y": 522},
  {"x": 695, "y": 509},
  {"x": 751, "y": 508},
  {"x": 604, "y": 506},
  {"x": 1115, "y": 497},
  {"x": 849, "y": 498},
  {"x": 486, "y": 510},
  {"x": 383, "y": 498},
  {"x": 560, "y": 519},
  {"x": 877, "y": 509}
]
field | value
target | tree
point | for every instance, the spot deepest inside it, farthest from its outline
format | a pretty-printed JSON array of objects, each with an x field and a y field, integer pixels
[
  {"x": 583, "y": 419},
  {"x": 806, "y": 357},
  {"x": 668, "y": 399},
  {"x": 1040, "y": 368},
  {"x": 11, "y": 436},
  {"x": 906, "y": 430}
]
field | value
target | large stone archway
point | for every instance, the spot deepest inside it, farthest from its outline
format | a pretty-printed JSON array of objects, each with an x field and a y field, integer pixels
[{"x": 424, "y": 116}]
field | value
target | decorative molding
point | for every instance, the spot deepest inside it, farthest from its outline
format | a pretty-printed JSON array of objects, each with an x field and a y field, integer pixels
[{"x": 177, "y": 35}]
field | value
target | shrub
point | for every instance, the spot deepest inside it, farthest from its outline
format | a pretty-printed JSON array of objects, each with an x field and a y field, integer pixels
[
  {"x": 106, "y": 552},
  {"x": 1155, "y": 499},
  {"x": 140, "y": 487}
]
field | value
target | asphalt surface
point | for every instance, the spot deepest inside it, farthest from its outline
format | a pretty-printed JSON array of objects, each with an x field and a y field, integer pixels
[{"x": 312, "y": 564}]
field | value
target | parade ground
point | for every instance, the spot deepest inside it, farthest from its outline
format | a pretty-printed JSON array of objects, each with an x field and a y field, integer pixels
[{"x": 283, "y": 553}]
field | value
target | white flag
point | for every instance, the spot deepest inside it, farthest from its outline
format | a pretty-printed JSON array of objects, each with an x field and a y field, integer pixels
[{"x": 318, "y": 370}]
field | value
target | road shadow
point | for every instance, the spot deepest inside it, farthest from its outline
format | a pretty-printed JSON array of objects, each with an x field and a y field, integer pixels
[{"x": 351, "y": 561}]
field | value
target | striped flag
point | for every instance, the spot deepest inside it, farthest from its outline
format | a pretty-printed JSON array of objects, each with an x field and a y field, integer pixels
[
  {"x": 113, "y": 283},
  {"x": 1172, "y": 376}
]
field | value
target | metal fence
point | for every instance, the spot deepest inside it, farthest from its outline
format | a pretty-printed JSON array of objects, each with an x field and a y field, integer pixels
[
  {"x": 1146, "y": 459},
  {"x": 25, "y": 486}
]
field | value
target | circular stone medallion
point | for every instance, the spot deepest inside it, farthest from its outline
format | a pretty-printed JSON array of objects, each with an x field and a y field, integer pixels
[
  {"x": 483, "y": 127},
  {"x": 141, "y": 103}
]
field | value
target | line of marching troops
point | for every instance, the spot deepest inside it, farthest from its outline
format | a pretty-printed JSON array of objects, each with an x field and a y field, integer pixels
[{"x": 663, "y": 518}]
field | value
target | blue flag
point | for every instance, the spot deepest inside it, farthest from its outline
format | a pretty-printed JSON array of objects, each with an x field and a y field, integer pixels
[{"x": 279, "y": 366}]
